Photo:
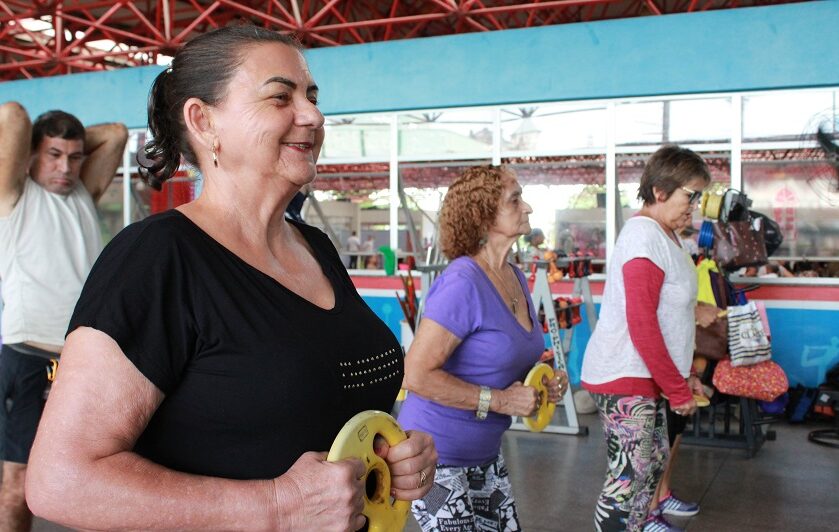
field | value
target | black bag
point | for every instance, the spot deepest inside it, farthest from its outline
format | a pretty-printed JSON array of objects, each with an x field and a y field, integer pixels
[
  {"x": 831, "y": 378},
  {"x": 735, "y": 206},
  {"x": 800, "y": 404},
  {"x": 772, "y": 235}
]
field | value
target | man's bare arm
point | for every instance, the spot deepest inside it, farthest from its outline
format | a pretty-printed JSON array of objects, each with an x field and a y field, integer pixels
[
  {"x": 15, "y": 139},
  {"x": 104, "y": 145}
]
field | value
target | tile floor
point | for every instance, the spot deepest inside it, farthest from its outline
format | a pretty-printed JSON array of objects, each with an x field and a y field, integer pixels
[{"x": 790, "y": 485}]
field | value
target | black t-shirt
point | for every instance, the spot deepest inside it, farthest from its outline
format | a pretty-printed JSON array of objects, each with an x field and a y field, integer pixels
[{"x": 253, "y": 374}]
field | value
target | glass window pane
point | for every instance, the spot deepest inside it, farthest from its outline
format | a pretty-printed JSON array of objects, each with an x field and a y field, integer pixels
[
  {"x": 359, "y": 137},
  {"x": 356, "y": 197},
  {"x": 695, "y": 121},
  {"x": 639, "y": 123},
  {"x": 568, "y": 197},
  {"x": 552, "y": 128},
  {"x": 110, "y": 208},
  {"x": 136, "y": 142},
  {"x": 145, "y": 201},
  {"x": 352, "y": 180},
  {"x": 631, "y": 167},
  {"x": 432, "y": 135},
  {"x": 787, "y": 115},
  {"x": 111, "y": 204},
  {"x": 799, "y": 192},
  {"x": 686, "y": 121}
]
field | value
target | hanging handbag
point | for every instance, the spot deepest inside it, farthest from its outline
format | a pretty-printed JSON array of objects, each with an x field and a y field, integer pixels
[
  {"x": 724, "y": 294},
  {"x": 765, "y": 381},
  {"x": 739, "y": 244},
  {"x": 712, "y": 341},
  {"x": 735, "y": 206},
  {"x": 772, "y": 235},
  {"x": 747, "y": 340}
]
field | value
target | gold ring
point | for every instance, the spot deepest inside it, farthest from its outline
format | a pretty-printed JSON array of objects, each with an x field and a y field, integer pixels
[{"x": 423, "y": 478}]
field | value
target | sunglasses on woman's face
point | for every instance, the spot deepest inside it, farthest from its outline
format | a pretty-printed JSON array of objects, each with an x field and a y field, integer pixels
[{"x": 694, "y": 195}]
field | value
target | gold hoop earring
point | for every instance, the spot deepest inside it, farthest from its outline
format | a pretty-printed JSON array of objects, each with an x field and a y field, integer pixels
[{"x": 215, "y": 156}]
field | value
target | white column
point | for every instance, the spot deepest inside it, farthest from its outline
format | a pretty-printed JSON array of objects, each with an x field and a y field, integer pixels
[
  {"x": 126, "y": 181},
  {"x": 612, "y": 200},
  {"x": 496, "y": 136},
  {"x": 394, "y": 181},
  {"x": 737, "y": 142}
]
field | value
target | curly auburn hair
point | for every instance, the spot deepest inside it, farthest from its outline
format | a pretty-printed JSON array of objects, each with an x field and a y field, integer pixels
[{"x": 469, "y": 209}]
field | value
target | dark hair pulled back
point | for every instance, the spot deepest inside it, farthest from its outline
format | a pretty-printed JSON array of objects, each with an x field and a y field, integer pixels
[{"x": 201, "y": 69}]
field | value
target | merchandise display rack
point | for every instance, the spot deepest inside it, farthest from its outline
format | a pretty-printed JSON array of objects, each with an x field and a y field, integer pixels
[
  {"x": 720, "y": 426},
  {"x": 561, "y": 344}
]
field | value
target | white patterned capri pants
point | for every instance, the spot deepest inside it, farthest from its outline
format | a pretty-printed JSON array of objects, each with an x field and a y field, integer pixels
[{"x": 469, "y": 499}]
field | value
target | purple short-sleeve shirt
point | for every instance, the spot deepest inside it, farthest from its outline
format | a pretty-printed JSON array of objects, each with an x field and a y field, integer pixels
[{"x": 495, "y": 351}]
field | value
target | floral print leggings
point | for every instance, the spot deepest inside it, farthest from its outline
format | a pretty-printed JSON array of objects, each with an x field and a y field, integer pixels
[{"x": 637, "y": 450}]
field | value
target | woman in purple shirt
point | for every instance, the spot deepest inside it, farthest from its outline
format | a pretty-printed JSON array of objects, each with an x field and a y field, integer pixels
[{"x": 478, "y": 338}]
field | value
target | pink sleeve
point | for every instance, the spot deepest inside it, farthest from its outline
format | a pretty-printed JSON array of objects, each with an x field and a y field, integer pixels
[{"x": 643, "y": 281}]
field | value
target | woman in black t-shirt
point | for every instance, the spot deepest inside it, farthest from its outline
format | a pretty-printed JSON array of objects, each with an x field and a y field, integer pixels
[{"x": 215, "y": 347}]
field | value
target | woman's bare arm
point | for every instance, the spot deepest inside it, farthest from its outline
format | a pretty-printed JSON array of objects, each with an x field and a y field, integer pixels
[
  {"x": 432, "y": 346},
  {"x": 83, "y": 474}
]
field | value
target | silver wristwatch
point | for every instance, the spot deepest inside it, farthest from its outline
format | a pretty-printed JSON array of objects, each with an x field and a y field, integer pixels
[{"x": 483, "y": 403}]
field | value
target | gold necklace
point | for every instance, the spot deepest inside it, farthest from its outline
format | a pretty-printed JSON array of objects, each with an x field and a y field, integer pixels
[{"x": 513, "y": 300}]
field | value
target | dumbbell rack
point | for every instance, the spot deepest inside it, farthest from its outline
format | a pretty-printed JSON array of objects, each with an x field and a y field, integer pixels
[{"x": 542, "y": 298}]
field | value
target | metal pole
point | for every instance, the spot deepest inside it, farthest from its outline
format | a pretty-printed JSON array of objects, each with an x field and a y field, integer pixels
[
  {"x": 736, "y": 161},
  {"x": 394, "y": 181},
  {"x": 126, "y": 184},
  {"x": 612, "y": 190},
  {"x": 496, "y": 137}
]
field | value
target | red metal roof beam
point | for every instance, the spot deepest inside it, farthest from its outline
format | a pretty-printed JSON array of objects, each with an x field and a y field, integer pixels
[
  {"x": 653, "y": 8},
  {"x": 107, "y": 31},
  {"x": 540, "y": 5},
  {"x": 352, "y": 31},
  {"x": 382, "y": 22},
  {"x": 389, "y": 27},
  {"x": 32, "y": 36},
  {"x": 491, "y": 18},
  {"x": 317, "y": 17}
]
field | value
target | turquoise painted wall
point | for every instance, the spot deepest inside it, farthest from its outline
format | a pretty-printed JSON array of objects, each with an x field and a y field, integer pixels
[
  {"x": 805, "y": 342},
  {"x": 757, "y": 48},
  {"x": 113, "y": 96}
]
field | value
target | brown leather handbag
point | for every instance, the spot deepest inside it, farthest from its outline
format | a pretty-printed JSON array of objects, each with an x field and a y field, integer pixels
[
  {"x": 712, "y": 341},
  {"x": 739, "y": 244}
]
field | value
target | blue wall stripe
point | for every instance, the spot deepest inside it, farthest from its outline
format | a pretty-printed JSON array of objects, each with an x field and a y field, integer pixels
[
  {"x": 729, "y": 50},
  {"x": 804, "y": 341}
]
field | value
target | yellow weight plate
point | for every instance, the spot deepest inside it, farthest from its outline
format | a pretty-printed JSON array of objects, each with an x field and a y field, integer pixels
[
  {"x": 543, "y": 416},
  {"x": 701, "y": 400},
  {"x": 711, "y": 205},
  {"x": 356, "y": 441},
  {"x": 403, "y": 393}
]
